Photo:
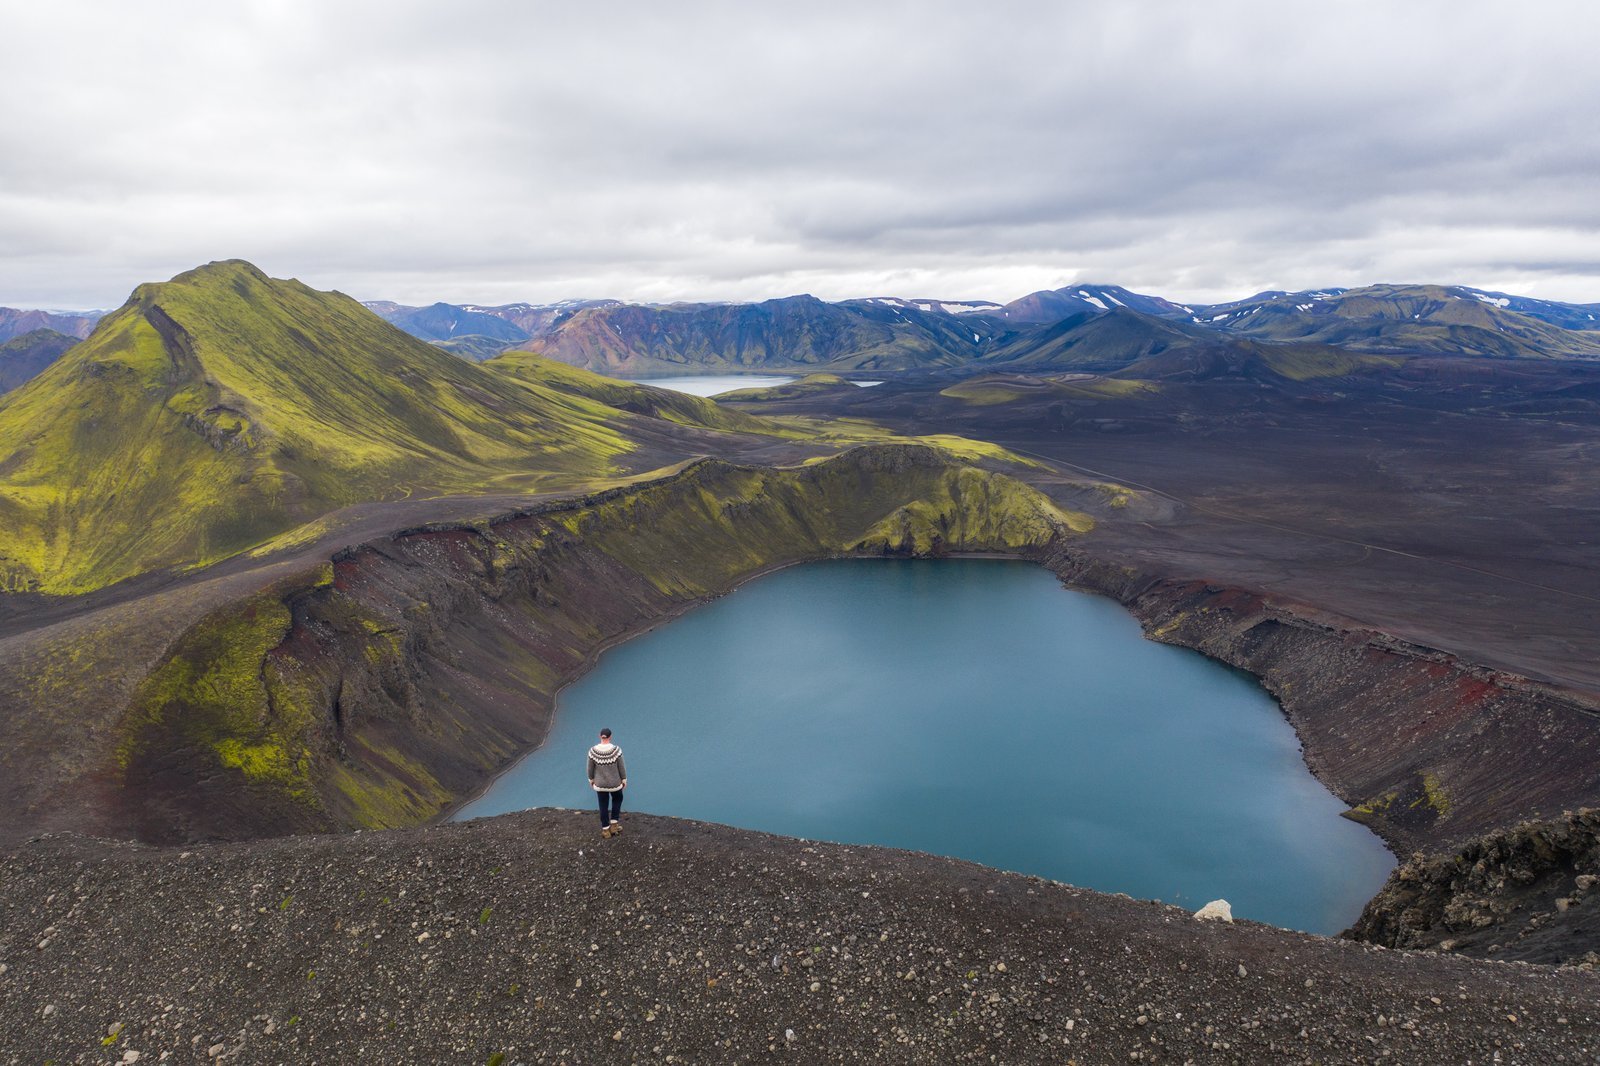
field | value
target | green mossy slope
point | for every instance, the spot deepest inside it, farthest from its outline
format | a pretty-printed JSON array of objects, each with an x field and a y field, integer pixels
[
  {"x": 810, "y": 385},
  {"x": 380, "y": 693},
  {"x": 1245, "y": 358},
  {"x": 223, "y": 407},
  {"x": 538, "y": 373},
  {"x": 993, "y": 391},
  {"x": 233, "y": 704}
]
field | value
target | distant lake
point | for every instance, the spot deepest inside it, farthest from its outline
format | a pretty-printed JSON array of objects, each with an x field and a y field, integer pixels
[
  {"x": 972, "y": 708},
  {"x": 711, "y": 384}
]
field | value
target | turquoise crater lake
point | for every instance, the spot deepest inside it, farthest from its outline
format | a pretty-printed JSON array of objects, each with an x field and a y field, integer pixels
[{"x": 972, "y": 708}]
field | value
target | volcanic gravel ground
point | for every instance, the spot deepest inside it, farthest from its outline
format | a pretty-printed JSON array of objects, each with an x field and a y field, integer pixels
[{"x": 527, "y": 938}]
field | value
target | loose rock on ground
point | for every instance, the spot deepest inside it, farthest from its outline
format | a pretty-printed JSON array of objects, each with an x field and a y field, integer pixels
[{"x": 528, "y": 939}]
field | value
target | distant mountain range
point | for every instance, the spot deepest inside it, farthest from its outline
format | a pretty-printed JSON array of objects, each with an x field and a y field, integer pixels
[
  {"x": 1099, "y": 327},
  {"x": 478, "y": 333},
  {"x": 1416, "y": 319},
  {"x": 797, "y": 331},
  {"x": 79, "y": 324},
  {"x": 1352, "y": 302}
]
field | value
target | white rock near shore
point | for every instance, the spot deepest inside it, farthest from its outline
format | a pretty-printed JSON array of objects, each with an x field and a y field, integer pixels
[{"x": 1216, "y": 909}]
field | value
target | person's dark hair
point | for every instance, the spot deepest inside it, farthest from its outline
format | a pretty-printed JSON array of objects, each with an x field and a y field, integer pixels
[{"x": 606, "y": 733}]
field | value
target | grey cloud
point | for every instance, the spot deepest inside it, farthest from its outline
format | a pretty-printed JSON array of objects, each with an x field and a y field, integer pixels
[{"x": 717, "y": 150}]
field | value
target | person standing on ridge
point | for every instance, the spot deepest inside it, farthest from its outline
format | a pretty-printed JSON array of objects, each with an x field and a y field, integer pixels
[{"x": 608, "y": 776}]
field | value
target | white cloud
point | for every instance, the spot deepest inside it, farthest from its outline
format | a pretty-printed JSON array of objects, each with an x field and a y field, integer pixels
[{"x": 498, "y": 151}]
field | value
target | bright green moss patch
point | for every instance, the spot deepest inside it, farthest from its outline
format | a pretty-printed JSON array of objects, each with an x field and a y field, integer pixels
[
  {"x": 1434, "y": 796},
  {"x": 260, "y": 762},
  {"x": 970, "y": 509},
  {"x": 217, "y": 694},
  {"x": 382, "y": 788},
  {"x": 982, "y": 393},
  {"x": 991, "y": 392},
  {"x": 1369, "y": 812},
  {"x": 856, "y": 431},
  {"x": 294, "y": 538},
  {"x": 1115, "y": 495},
  {"x": 806, "y": 386},
  {"x": 1105, "y": 388},
  {"x": 972, "y": 451},
  {"x": 1169, "y": 626},
  {"x": 1309, "y": 362},
  {"x": 384, "y": 644}
]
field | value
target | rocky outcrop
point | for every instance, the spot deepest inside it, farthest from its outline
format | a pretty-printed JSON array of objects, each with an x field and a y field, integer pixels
[
  {"x": 393, "y": 682},
  {"x": 1531, "y": 892},
  {"x": 1427, "y": 749}
]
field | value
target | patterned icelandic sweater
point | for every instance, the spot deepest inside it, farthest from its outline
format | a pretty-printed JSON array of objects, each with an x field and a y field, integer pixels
[{"x": 606, "y": 771}]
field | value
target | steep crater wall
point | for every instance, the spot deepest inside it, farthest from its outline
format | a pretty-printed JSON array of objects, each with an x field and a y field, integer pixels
[
  {"x": 1428, "y": 750},
  {"x": 396, "y": 680},
  {"x": 1437, "y": 755}
]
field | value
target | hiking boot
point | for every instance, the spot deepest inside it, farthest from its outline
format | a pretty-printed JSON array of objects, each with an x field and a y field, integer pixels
[
  {"x": 605, "y": 831},
  {"x": 616, "y": 827}
]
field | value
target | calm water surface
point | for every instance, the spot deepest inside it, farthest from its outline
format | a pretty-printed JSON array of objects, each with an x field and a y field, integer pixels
[
  {"x": 712, "y": 384},
  {"x": 971, "y": 708},
  {"x": 715, "y": 384}
]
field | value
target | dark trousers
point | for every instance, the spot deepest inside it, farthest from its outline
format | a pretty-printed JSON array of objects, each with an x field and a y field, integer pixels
[{"x": 615, "y": 799}]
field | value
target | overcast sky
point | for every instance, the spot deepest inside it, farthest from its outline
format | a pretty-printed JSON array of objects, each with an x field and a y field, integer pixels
[{"x": 693, "y": 150}]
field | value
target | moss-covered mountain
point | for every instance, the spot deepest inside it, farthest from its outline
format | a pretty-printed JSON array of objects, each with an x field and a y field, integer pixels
[
  {"x": 215, "y": 410},
  {"x": 24, "y": 358}
]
